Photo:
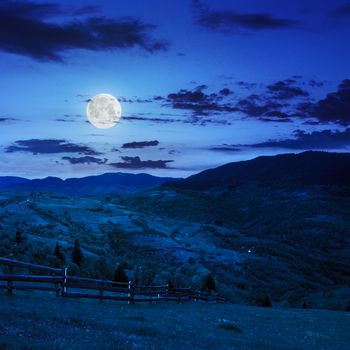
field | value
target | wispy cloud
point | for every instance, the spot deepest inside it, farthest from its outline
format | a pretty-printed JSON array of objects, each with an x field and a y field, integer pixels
[
  {"x": 236, "y": 22},
  {"x": 7, "y": 119},
  {"x": 342, "y": 11},
  {"x": 302, "y": 140}
]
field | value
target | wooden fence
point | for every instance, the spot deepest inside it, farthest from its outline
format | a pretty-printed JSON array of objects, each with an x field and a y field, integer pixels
[{"x": 58, "y": 281}]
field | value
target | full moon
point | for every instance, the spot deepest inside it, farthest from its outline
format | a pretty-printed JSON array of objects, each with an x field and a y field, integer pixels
[{"x": 103, "y": 111}]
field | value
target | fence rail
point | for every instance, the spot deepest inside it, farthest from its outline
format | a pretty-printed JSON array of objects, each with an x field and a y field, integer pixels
[{"x": 57, "y": 280}]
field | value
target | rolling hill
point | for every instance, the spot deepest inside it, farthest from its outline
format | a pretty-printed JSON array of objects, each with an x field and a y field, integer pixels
[{"x": 276, "y": 227}]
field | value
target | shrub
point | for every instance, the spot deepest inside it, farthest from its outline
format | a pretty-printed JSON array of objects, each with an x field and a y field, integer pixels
[
  {"x": 191, "y": 260},
  {"x": 120, "y": 275},
  {"x": 265, "y": 302},
  {"x": 228, "y": 325},
  {"x": 104, "y": 268},
  {"x": 73, "y": 269},
  {"x": 6, "y": 244}
]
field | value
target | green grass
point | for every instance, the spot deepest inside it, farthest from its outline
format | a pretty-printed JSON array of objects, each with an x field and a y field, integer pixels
[{"x": 43, "y": 321}]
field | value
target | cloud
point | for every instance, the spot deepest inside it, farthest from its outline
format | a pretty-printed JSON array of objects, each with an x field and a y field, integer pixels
[
  {"x": 140, "y": 144},
  {"x": 277, "y": 114},
  {"x": 233, "y": 21},
  {"x": 225, "y": 148},
  {"x": 271, "y": 103},
  {"x": 7, "y": 119},
  {"x": 63, "y": 120},
  {"x": 137, "y": 163},
  {"x": 152, "y": 119},
  {"x": 199, "y": 102},
  {"x": 246, "y": 85},
  {"x": 315, "y": 83},
  {"x": 87, "y": 10},
  {"x": 342, "y": 11},
  {"x": 335, "y": 107},
  {"x": 285, "y": 90},
  {"x": 69, "y": 118},
  {"x": 24, "y": 30},
  {"x": 225, "y": 92},
  {"x": 257, "y": 106},
  {"x": 276, "y": 120},
  {"x": 134, "y": 100},
  {"x": 85, "y": 160},
  {"x": 37, "y": 146},
  {"x": 285, "y": 101},
  {"x": 326, "y": 139}
]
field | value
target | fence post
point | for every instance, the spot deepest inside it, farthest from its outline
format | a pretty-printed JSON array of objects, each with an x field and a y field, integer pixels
[
  {"x": 10, "y": 283},
  {"x": 64, "y": 283},
  {"x": 58, "y": 286},
  {"x": 131, "y": 293},
  {"x": 101, "y": 291}
]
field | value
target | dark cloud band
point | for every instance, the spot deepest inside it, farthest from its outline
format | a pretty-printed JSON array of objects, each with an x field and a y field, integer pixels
[
  {"x": 140, "y": 144},
  {"x": 137, "y": 163},
  {"x": 38, "y": 146},
  {"x": 25, "y": 31}
]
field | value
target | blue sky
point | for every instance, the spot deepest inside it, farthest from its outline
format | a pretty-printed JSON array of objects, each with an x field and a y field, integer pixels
[{"x": 207, "y": 82}]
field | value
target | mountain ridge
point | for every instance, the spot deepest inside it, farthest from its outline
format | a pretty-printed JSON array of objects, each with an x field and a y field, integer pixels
[
  {"x": 305, "y": 168},
  {"x": 95, "y": 184}
]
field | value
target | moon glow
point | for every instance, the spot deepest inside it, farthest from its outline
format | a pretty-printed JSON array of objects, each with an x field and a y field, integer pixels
[{"x": 103, "y": 111}]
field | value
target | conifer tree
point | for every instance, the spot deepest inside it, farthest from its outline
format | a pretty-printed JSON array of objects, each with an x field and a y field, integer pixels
[
  {"x": 266, "y": 302},
  {"x": 58, "y": 253},
  {"x": 77, "y": 254},
  {"x": 19, "y": 238},
  {"x": 209, "y": 283}
]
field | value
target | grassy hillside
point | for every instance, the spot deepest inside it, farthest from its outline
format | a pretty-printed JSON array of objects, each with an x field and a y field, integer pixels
[
  {"x": 78, "y": 324},
  {"x": 285, "y": 242},
  {"x": 290, "y": 244}
]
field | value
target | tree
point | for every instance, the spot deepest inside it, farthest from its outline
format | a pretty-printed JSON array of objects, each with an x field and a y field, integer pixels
[
  {"x": 19, "y": 238},
  {"x": 209, "y": 283},
  {"x": 58, "y": 253},
  {"x": 170, "y": 283},
  {"x": 120, "y": 275},
  {"x": 104, "y": 268},
  {"x": 77, "y": 254},
  {"x": 266, "y": 302}
]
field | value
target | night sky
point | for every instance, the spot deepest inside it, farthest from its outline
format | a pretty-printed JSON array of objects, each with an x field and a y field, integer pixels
[{"x": 201, "y": 83}]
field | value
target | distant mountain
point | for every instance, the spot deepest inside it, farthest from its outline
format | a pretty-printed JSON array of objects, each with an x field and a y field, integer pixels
[
  {"x": 6, "y": 181},
  {"x": 307, "y": 168},
  {"x": 90, "y": 185}
]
